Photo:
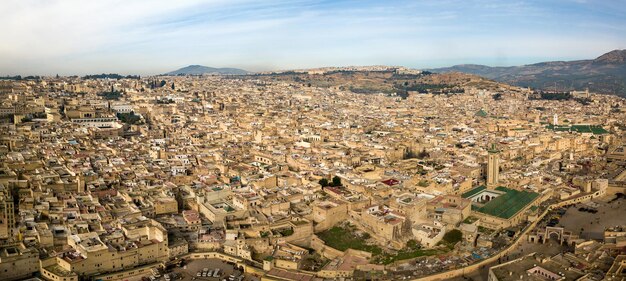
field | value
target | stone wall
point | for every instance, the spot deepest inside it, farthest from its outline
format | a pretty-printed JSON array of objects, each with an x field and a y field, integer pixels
[
  {"x": 328, "y": 252},
  {"x": 523, "y": 235}
]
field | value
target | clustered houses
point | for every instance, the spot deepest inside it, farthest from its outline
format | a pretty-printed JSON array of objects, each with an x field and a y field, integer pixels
[{"x": 102, "y": 178}]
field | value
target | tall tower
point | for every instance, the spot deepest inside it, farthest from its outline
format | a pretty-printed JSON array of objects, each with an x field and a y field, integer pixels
[
  {"x": 258, "y": 136},
  {"x": 493, "y": 167},
  {"x": 555, "y": 120}
]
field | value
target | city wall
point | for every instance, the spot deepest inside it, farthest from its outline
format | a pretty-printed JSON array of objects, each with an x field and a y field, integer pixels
[{"x": 523, "y": 235}]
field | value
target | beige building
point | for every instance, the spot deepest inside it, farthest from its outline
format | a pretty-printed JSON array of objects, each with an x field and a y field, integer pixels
[
  {"x": 18, "y": 262},
  {"x": 329, "y": 213},
  {"x": 139, "y": 242}
]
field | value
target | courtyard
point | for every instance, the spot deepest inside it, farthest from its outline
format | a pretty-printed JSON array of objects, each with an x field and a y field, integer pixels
[{"x": 591, "y": 225}]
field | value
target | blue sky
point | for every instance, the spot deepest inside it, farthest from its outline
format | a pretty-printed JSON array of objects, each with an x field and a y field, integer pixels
[{"x": 46, "y": 37}]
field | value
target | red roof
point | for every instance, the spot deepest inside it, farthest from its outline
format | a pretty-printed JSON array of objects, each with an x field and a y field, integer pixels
[{"x": 391, "y": 182}]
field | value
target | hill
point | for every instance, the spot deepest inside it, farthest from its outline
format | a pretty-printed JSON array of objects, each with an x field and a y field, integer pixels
[
  {"x": 606, "y": 74},
  {"x": 385, "y": 81},
  {"x": 200, "y": 69}
]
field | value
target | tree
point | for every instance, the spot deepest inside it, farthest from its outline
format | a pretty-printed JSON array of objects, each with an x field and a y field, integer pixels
[
  {"x": 180, "y": 200},
  {"x": 336, "y": 181},
  {"x": 453, "y": 236},
  {"x": 173, "y": 87},
  {"x": 423, "y": 154},
  {"x": 162, "y": 83},
  {"x": 323, "y": 182},
  {"x": 412, "y": 244}
]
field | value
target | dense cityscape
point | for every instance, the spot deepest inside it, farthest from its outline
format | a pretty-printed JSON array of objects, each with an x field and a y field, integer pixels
[
  {"x": 128, "y": 178},
  {"x": 313, "y": 140}
]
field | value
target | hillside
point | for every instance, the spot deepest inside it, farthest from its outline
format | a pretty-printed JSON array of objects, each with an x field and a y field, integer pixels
[
  {"x": 200, "y": 70},
  {"x": 388, "y": 82},
  {"x": 605, "y": 74}
]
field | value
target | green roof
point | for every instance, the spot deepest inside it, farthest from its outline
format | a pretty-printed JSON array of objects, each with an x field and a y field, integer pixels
[
  {"x": 473, "y": 192},
  {"x": 595, "y": 129},
  {"x": 481, "y": 113},
  {"x": 507, "y": 204}
]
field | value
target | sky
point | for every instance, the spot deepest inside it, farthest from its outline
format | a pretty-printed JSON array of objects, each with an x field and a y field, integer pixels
[{"x": 146, "y": 37}]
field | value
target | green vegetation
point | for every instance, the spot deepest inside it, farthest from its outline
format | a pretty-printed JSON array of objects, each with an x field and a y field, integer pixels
[
  {"x": 129, "y": 118},
  {"x": 421, "y": 171},
  {"x": 164, "y": 101},
  {"x": 485, "y": 230},
  {"x": 551, "y": 96},
  {"x": 111, "y": 95},
  {"x": 323, "y": 182},
  {"x": 427, "y": 88},
  {"x": 594, "y": 129},
  {"x": 410, "y": 154},
  {"x": 111, "y": 76},
  {"x": 470, "y": 220},
  {"x": 336, "y": 181},
  {"x": 423, "y": 183},
  {"x": 423, "y": 154},
  {"x": 343, "y": 238},
  {"x": 19, "y": 77},
  {"x": 453, "y": 236},
  {"x": 405, "y": 254}
]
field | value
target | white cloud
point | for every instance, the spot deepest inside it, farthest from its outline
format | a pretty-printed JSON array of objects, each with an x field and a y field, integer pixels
[{"x": 154, "y": 36}]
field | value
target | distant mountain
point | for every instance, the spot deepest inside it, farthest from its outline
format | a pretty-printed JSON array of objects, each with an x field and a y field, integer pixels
[
  {"x": 605, "y": 74},
  {"x": 199, "y": 70}
]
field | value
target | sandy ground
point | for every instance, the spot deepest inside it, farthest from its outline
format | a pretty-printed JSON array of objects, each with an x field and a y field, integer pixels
[{"x": 593, "y": 225}]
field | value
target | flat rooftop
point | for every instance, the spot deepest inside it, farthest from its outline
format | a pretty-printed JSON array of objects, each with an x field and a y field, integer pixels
[{"x": 530, "y": 268}]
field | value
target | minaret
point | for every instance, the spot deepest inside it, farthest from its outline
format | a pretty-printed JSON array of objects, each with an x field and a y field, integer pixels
[
  {"x": 555, "y": 119},
  {"x": 493, "y": 167}
]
